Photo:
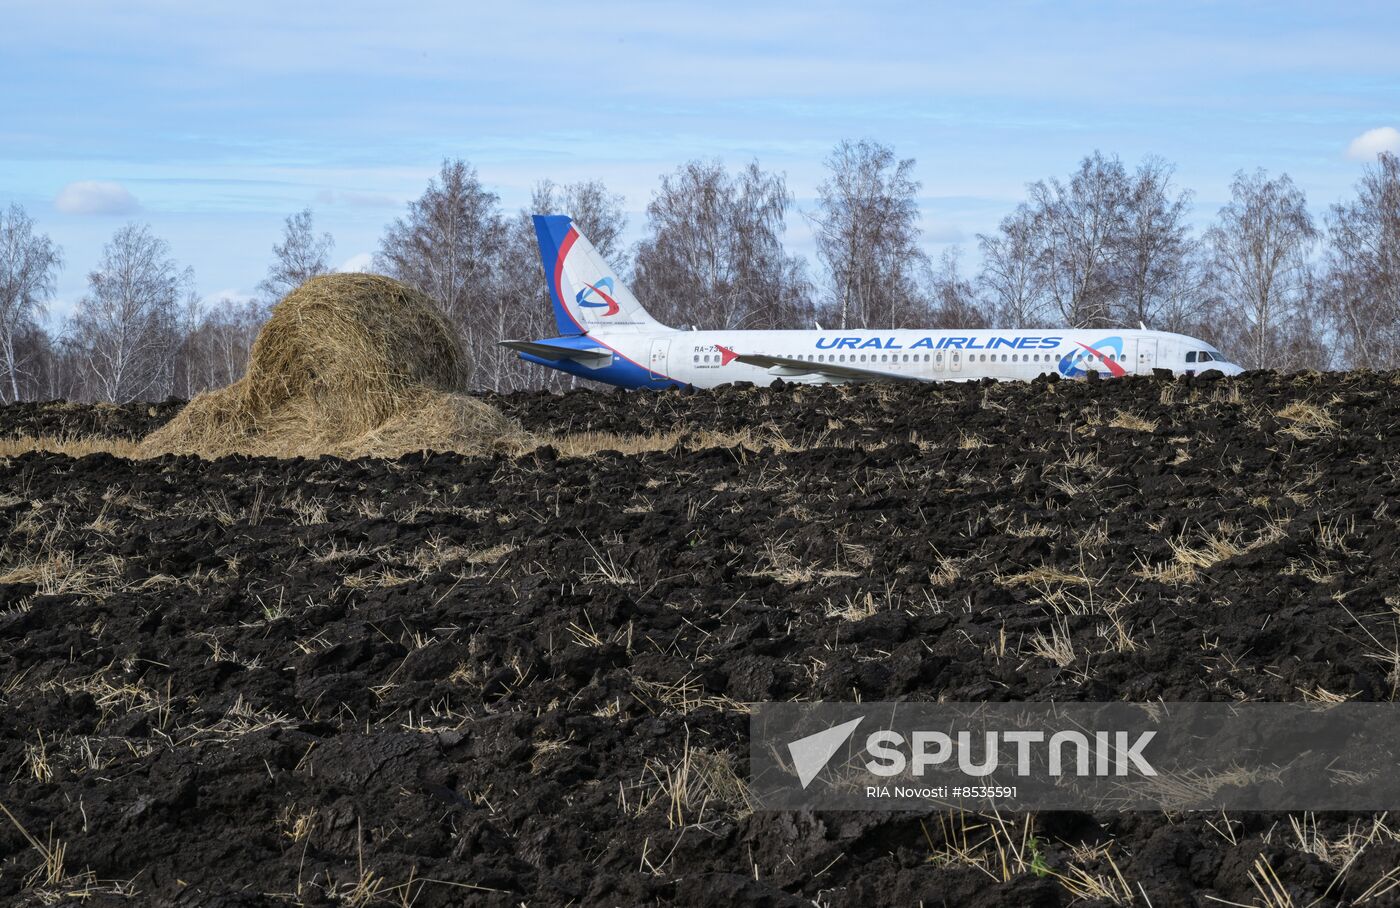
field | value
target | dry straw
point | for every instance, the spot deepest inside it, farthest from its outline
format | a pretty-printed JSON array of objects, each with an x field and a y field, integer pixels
[{"x": 351, "y": 365}]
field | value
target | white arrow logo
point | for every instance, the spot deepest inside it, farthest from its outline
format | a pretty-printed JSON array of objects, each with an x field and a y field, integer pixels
[{"x": 810, "y": 754}]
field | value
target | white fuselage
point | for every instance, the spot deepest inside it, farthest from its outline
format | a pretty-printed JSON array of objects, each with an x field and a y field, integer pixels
[
  {"x": 605, "y": 334},
  {"x": 705, "y": 359}
]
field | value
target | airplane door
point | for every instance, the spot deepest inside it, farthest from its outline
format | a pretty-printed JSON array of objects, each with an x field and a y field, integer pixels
[
  {"x": 1146, "y": 355},
  {"x": 955, "y": 360},
  {"x": 660, "y": 352}
]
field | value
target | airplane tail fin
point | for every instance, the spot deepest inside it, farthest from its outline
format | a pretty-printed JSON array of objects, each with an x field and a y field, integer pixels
[{"x": 587, "y": 295}]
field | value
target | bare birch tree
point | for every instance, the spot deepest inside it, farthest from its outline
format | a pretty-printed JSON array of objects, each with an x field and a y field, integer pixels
[
  {"x": 1183, "y": 297},
  {"x": 447, "y": 247},
  {"x": 1362, "y": 290},
  {"x": 1259, "y": 263},
  {"x": 217, "y": 343},
  {"x": 867, "y": 231},
  {"x": 126, "y": 326},
  {"x": 29, "y": 266},
  {"x": 1011, "y": 274},
  {"x": 525, "y": 309},
  {"x": 1080, "y": 224},
  {"x": 713, "y": 254},
  {"x": 300, "y": 255},
  {"x": 597, "y": 213},
  {"x": 1153, "y": 245},
  {"x": 953, "y": 298}
]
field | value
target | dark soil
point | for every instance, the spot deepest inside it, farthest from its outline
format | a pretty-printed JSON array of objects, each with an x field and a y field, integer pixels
[
  {"x": 441, "y": 679},
  {"x": 61, "y": 419}
]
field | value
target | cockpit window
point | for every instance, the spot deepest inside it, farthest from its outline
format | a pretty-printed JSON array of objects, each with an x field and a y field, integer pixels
[
  {"x": 1206, "y": 357},
  {"x": 1191, "y": 356}
]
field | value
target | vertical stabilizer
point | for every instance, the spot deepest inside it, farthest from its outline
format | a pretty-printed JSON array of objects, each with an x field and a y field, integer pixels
[{"x": 586, "y": 294}]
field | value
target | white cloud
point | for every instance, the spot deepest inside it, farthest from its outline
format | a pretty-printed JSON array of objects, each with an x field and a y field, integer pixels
[
  {"x": 232, "y": 295},
  {"x": 360, "y": 262},
  {"x": 356, "y": 199},
  {"x": 944, "y": 233},
  {"x": 95, "y": 197},
  {"x": 1374, "y": 141}
]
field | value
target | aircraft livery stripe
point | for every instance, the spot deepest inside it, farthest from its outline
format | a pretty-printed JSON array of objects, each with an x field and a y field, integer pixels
[
  {"x": 564, "y": 248},
  {"x": 1114, "y": 369}
]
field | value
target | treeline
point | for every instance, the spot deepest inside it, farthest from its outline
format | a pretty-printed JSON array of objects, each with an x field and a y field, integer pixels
[{"x": 1107, "y": 245}]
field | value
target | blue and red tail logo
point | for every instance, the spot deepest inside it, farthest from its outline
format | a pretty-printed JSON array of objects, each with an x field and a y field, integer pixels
[
  {"x": 604, "y": 290},
  {"x": 1105, "y": 355}
]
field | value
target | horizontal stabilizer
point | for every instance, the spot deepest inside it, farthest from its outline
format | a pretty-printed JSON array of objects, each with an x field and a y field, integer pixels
[
  {"x": 782, "y": 366},
  {"x": 590, "y": 357}
]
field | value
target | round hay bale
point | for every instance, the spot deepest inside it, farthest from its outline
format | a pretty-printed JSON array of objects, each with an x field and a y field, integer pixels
[
  {"x": 352, "y": 346},
  {"x": 348, "y": 364}
]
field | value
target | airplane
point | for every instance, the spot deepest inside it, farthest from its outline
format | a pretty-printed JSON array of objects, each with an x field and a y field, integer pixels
[{"x": 607, "y": 336}]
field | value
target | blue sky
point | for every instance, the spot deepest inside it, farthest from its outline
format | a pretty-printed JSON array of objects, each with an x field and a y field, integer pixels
[{"x": 213, "y": 121}]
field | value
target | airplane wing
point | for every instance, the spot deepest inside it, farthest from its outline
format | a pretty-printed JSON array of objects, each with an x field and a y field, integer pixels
[
  {"x": 782, "y": 367},
  {"x": 592, "y": 357}
]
